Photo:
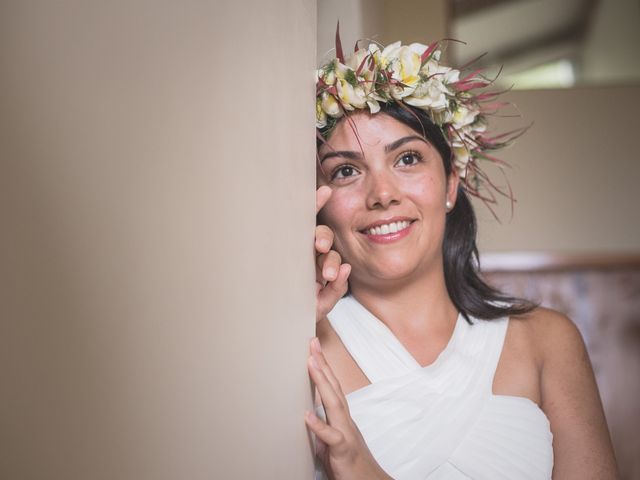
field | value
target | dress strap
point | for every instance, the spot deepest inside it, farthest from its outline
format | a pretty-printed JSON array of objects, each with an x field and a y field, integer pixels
[
  {"x": 468, "y": 362},
  {"x": 494, "y": 335},
  {"x": 371, "y": 344}
]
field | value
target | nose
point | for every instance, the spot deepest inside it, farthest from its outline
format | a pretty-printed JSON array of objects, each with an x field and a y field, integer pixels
[{"x": 382, "y": 190}]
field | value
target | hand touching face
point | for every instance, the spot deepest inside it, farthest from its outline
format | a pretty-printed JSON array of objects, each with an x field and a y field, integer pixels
[
  {"x": 331, "y": 273},
  {"x": 388, "y": 206}
]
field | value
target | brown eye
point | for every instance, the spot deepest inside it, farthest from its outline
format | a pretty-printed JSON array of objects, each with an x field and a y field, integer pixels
[
  {"x": 345, "y": 171},
  {"x": 409, "y": 159}
]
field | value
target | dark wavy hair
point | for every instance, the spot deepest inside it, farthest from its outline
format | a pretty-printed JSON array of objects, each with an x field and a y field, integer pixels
[{"x": 471, "y": 295}]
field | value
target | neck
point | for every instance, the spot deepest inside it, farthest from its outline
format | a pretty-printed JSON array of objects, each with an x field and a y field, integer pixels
[{"x": 408, "y": 305}]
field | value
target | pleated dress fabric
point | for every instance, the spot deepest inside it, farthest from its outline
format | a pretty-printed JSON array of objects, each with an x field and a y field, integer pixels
[{"x": 440, "y": 421}]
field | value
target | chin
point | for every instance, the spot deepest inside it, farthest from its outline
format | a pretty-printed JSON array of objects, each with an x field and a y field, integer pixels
[{"x": 392, "y": 271}]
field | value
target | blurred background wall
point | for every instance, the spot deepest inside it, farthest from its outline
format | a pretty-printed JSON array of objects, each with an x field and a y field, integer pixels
[
  {"x": 384, "y": 21},
  {"x": 578, "y": 163},
  {"x": 573, "y": 242},
  {"x": 154, "y": 317}
]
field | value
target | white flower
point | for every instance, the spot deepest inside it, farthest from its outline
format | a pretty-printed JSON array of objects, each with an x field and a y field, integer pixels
[
  {"x": 374, "y": 51},
  {"x": 418, "y": 48},
  {"x": 374, "y": 106},
  {"x": 330, "y": 105},
  {"x": 479, "y": 126},
  {"x": 430, "y": 94},
  {"x": 452, "y": 76},
  {"x": 341, "y": 70},
  {"x": 404, "y": 65},
  {"x": 462, "y": 116},
  {"x": 363, "y": 60},
  {"x": 327, "y": 74},
  {"x": 357, "y": 59},
  {"x": 351, "y": 97},
  {"x": 388, "y": 54},
  {"x": 462, "y": 157},
  {"x": 446, "y": 75},
  {"x": 321, "y": 116}
]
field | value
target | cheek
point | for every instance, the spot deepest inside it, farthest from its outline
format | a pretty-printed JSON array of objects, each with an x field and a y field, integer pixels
[
  {"x": 428, "y": 191},
  {"x": 339, "y": 212}
]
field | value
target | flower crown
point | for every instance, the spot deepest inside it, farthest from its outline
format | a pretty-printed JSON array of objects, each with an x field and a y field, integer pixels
[{"x": 412, "y": 75}]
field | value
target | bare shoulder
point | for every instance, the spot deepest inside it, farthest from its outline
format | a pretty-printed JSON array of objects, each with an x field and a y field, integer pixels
[
  {"x": 329, "y": 341},
  {"x": 570, "y": 398},
  {"x": 552, "y": 334}
]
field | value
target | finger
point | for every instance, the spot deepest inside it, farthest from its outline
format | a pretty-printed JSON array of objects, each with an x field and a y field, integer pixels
[
  {"x": 321, "y": 449},
  {"x": 335, "y": 405},
  {"x": 320, "y": 259},
  {"x": 334, "y": 290},
  {"x": 322, "y": 195},
  {"x": 328, "y": 295},
  {"x": 328, "y": 266},
  {"x": 324, "y": 238},
  {"x": 332, "y": 437},
  {"x": 316, "y": 351}
]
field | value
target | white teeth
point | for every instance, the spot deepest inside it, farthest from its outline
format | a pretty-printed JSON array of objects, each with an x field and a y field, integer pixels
[{"x": 388, "y": 228}]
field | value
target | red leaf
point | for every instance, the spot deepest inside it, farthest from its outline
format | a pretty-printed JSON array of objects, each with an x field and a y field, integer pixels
[
  {"x": 512, "y": 134},
  {"x": 472, "y": 74},
  {"x": 361, "y": 66},
  {"x": 493, "y": 159},
  {"x": 428, "y": 51},
  {"x": 468, "y": 64},
  {"x": 487, "y": 95},
  {"x": 491, "y": 106},
  {"x": 463, "y": 87},
  {"x": 339, "y": 53}
]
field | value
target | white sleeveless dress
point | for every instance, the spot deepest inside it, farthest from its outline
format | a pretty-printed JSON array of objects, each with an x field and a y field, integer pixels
[{"x": 440, "y": 421}]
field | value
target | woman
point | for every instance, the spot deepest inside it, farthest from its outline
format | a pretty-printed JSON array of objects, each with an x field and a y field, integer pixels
[{"x": 421, "y": 369}]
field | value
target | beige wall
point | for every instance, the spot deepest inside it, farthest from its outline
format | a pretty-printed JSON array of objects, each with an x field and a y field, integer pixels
[
  {"x": 575, "y": 173},
  {"x": 384, "y": 21},
  {"x": 610, "y": 54},
  {"x": 155, "y": 300}
]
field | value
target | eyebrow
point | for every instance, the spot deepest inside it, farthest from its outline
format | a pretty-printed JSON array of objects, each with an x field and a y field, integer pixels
[
  {"x": 398, "y": 143},
  {"x": 387, "y": 149}
]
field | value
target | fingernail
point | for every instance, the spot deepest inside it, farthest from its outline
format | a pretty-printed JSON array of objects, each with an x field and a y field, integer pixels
[
  {"x": 330, "y": 272},
  {"x": 316, "y": 344},
  {"x": 324, "y": 243}
]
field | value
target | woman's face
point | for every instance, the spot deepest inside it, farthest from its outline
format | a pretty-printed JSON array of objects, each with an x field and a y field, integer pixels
[{"x": 386, "y": 173}]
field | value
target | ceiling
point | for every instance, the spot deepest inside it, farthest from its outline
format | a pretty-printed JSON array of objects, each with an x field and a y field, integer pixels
[{"x": 523, "y": 34}]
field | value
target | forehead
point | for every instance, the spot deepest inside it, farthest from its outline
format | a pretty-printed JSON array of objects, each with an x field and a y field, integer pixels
[{"x": 362, "y": 130}]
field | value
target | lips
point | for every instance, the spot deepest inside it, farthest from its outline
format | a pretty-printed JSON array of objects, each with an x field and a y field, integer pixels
[
  {"x": 386, "y": 221},
  {"x": 387, "y": 235}
]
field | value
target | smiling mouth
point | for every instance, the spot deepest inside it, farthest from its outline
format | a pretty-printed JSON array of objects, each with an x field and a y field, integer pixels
[{"x": 388, "y": 228}]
